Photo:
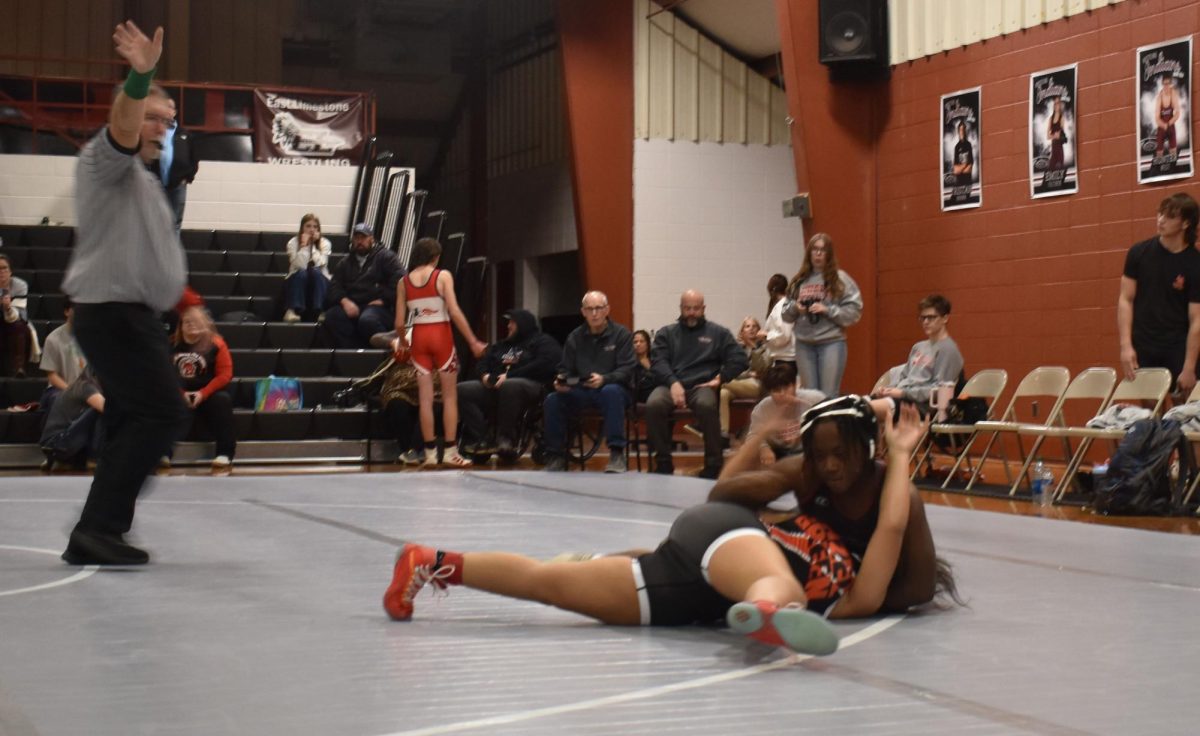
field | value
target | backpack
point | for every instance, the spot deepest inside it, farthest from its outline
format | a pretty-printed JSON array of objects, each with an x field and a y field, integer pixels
[
  {"x": 275, "y": 393},
  {"x": 1138, "y": 482}
]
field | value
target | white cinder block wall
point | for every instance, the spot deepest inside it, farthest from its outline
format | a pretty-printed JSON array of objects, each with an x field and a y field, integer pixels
[
  {"x": 225, "y": 196},
  {"x": 708, "y": 216}
]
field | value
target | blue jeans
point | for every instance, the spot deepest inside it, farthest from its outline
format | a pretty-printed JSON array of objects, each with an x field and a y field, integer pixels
[
  {"x": 306, "y": 290},
  {"x": 821, "y": 366},
  {"x": 354, "y": 334},
  {"x": 612, "y": 401},
  {"x": 79, "y": 441}
]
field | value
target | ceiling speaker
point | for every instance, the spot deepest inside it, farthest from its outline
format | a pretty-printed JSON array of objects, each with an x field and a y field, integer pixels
[{"x": 853, "y": 32}]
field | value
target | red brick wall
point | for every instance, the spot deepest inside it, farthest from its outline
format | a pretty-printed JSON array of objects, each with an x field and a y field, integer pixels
[{"x": 1032, "y": 282}]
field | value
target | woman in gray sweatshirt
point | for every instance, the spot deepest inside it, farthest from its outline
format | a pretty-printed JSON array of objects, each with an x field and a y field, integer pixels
[{"x": 824, "y": 301}]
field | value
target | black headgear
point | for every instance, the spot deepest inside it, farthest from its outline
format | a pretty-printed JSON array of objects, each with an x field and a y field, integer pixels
[{"x": 857, "y": 408}]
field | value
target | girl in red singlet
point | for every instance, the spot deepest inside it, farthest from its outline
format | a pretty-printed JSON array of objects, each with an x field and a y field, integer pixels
[{"x": 427, "y": 292}]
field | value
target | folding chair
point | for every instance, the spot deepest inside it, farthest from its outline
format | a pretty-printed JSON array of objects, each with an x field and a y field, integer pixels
[
  {"x": 884, "y": 380},
  {"x": 1192, "y": 438},
  {"x": 1147, "y": 385},
  {"x": 987, "y": 384},
  {"x": 1091, "y": 384},
  {"x": 1044, "y": 382}
]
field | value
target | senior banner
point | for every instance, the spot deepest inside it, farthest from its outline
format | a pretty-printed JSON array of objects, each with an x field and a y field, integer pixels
[
  {"x": 1053, "y": 168},
  {"x": 1164, "y": 110},
  {"x": 307, "y": 129},
  {"x": 962, "y": 181}
]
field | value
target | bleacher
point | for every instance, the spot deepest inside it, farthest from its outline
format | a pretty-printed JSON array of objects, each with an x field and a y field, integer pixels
[{"x": 241, "y": 277}]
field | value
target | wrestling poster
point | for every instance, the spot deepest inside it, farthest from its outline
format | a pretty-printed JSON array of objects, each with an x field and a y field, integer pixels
[
  {"x": 962, "y": 178},
  {"x": 307, "y": 130},
  {"x": 1164, "y": 89},
  {"x": 1052, "y": 144}
]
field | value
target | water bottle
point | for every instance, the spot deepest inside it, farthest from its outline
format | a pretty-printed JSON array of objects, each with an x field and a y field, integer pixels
[{"x": 1043, "y": 484}]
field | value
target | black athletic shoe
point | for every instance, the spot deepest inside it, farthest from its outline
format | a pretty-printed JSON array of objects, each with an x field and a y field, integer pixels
[
  {"x": 710, "y": 472},
  {"x": 95, "y": 548},
  {"x": 506, "y": 453},
  {"x": 664, "y": 466}
]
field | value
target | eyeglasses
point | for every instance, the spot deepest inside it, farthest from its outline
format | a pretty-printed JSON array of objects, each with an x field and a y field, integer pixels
[
  {"x": 161, "y": 120},
  {"x": 928, "y": 317},
  {"x": 600, "y": 308}
]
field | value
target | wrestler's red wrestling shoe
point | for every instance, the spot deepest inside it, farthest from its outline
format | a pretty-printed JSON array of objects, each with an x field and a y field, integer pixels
[
  {"x": 416, "y": 566},
  {"x": 792, "y": 627}
]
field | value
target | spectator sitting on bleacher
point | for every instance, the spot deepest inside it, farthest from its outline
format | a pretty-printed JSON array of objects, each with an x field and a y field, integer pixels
[
  {"x": 74, "y": 427},
  {"x": 363, "y": 291},
  {"x": 14, "y": 327},
  {"x": 515, "y": 374},
  {"x": 308, "y": 269},
  {"x": 205, "y": 368},
  {"x": 933, "y": 361},
  {"x": 62, "y": 359},
  {"x": 777, "y": 417},
  {"x": 692, "y": 357},
  {"x": 400, "y": 400}
]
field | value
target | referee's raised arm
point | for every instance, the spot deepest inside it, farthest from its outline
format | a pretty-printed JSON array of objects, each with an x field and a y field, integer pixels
[{"x": 129, "y": 108}]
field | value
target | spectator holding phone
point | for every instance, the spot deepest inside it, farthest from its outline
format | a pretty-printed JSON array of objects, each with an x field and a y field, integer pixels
[
  {"x": 308, "y": 270},
  {"x": 595, "y": 371}
]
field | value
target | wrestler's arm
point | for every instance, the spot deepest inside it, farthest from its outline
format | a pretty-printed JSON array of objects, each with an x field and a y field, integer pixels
[
  {"x": 881, "y": 560},
  {"x": 754, "y": 489}
]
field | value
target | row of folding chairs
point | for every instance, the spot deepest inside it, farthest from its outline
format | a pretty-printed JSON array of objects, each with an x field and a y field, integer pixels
[{"x": 1070, "y": 401}]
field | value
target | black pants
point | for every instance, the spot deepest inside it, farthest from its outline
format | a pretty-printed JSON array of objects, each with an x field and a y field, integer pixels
[
  {"x": 217, "y": 414},
  {"x": 143, "y": 408},
  {"x": 703, "y": 403},
  {"x": 402, "y": 420},
  {"x": 1171, "y": 359},
  {"x": 479, "y": 406}
]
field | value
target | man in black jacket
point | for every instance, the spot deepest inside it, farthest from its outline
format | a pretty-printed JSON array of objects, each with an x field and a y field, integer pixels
[
  {"x": 514, "y": 375},
  {"x": 177, "y": 166},
  {"x": 363, "y": 292},
  {"x": 691, "y": 358},
  {"x": 596, "y": 371}
]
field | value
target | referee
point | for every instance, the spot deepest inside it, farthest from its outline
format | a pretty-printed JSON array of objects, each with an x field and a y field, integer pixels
[{"x": 126, "y": 268}]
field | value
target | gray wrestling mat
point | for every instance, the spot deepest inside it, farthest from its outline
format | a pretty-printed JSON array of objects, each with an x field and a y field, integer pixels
[{"x": 261, "y": 615}]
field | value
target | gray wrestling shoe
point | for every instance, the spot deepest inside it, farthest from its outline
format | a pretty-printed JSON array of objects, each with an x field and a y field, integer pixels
[{"x": 794, "y": 628}]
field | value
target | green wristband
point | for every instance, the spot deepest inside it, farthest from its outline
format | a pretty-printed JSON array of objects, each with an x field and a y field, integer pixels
[{"x": 137, "y": 84}]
